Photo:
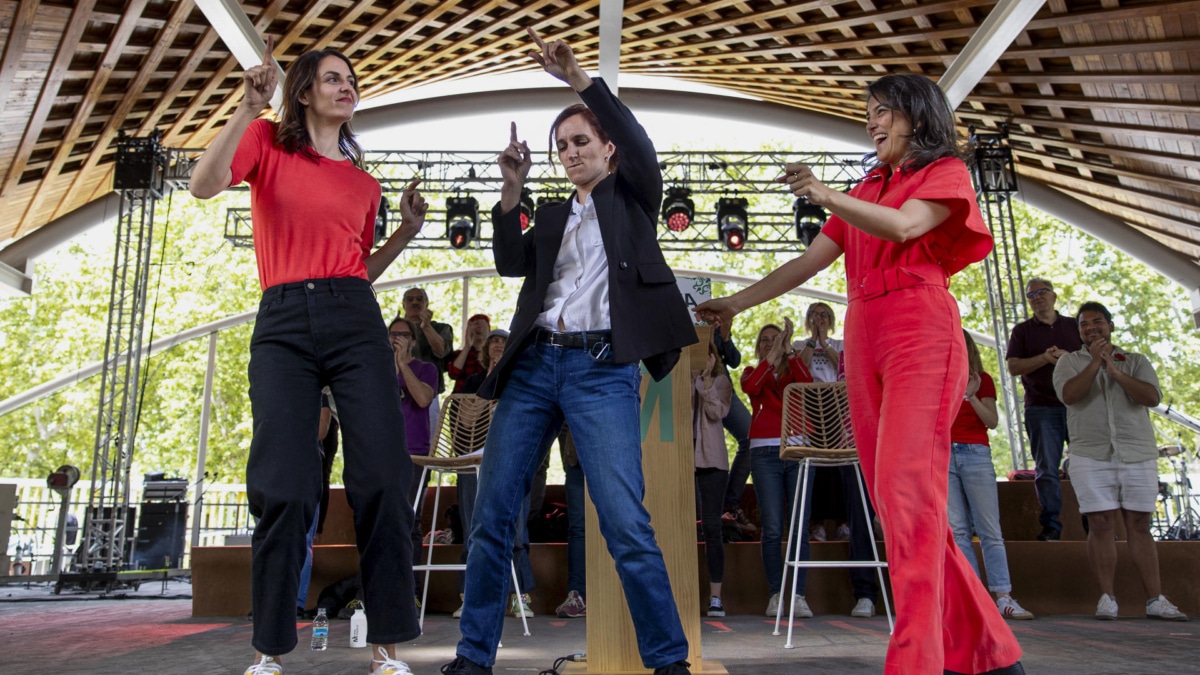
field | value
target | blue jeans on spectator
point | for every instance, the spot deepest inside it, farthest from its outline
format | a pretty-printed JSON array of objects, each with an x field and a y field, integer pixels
[
  {"x": 1047, "y": 429},
  {"x": 601, "y": 403},
  {"x": 576, "y": 532},
  {"x": 864, "y": 580},
  {"x": 306, "y": 571},
  {"x": 737, "y": 423},
  {"x": 973, "y": 504},
  {"x": 775, "y": 486}
]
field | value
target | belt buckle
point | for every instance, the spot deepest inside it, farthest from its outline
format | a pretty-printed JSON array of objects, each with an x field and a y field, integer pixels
[{"x": 872, "y": 284}]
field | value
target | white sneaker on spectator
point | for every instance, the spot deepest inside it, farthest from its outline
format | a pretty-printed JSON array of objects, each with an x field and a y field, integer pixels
[
  {"x": 843, "y": 532},
  {"x": 715, "y": 606},
  {"x": 773, "y": 606},
  {"x": 1009, "y": 609},
  {"x": 1106, "y": 609},
  {"x": 389, "y": 665},
  {"x": 802, "y": 609},
  {"x": 863, "y": 609},
  {"x": 1161, "y": 608},
  {"x": 457, "y": 614},
  {"x": 265, "y": 665},
  {"x": 817, "y": 533},
  {"x": 515, "y": 609}
]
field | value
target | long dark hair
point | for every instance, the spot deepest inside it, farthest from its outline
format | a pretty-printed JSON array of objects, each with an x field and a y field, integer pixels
[
  {"x": 925, "y": 106},
  {"x": 292, "y": 133},
  {"x": 593, "y": 122}
]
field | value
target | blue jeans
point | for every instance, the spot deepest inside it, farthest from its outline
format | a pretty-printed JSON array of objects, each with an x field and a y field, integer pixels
[
  {"x": 775, "y": 486},
  {"x": 973, "y": 503},
  {"x": 601, "y": 403},
  {"x": 306, "y": 571},
  {"x": 1047, "y": 429},
  {"x": 576, "y": 532}
]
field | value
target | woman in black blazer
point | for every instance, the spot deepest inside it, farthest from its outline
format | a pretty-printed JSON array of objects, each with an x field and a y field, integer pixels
[{"x": 598, "y": 300}]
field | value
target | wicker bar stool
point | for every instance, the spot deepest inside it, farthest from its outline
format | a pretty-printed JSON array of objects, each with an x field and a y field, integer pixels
[
  {"x": 817, "y": 432},
  {"x": 457, "y": 446}
]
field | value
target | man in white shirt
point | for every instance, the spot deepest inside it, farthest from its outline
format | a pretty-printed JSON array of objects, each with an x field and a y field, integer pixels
[{"x": 1108, "y": 391}]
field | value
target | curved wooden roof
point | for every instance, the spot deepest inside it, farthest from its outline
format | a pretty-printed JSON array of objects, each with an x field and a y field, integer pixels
[{"x": 1101, "y": 96}]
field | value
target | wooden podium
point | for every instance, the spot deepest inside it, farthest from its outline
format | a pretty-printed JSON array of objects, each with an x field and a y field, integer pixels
[{"x": 668, "y": 464}]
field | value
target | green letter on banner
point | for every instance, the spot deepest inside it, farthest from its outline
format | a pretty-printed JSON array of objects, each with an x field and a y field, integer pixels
[{"x": 658, "y": 394}]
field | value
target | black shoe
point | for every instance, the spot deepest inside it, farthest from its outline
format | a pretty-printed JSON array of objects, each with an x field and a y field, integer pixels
[
  {"x": 677, "y": 668},
  {"x": 1014, "y": 669},
  {"x": 1049, "y": 534},
  {"x": 464, "y": 666}
]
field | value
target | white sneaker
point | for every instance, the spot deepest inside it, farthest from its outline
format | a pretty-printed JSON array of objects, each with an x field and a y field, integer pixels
[
  {"x": 802, "y": 609},
  {"x": 389, "y": 666},
  {"x": 457, "y": 614},
  {"x": 266, "y": 665},
  {"x": 515, "y": 609},
  {"x": 1106, "y": 609},
  {"x": 817, "y": 533},
  {"x": 1009, "y": 609},
  {"x": 863, "y": 609},
  {"x": 1161, "y": 608}
]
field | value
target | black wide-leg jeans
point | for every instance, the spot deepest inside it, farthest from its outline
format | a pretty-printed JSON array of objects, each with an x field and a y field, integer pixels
[{"x": 307, "y": 335}]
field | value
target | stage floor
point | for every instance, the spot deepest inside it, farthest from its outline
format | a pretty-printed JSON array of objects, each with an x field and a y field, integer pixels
[{"x": 154, "y": 632}]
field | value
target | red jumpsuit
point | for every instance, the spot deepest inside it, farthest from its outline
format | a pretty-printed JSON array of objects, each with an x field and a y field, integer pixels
[{"x": 906, "y": 372}]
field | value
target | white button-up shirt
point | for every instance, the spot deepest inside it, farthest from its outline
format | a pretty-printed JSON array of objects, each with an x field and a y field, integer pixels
[
  {"x": 1106, "y": 423},
  {"x": 577, "y": 299}
]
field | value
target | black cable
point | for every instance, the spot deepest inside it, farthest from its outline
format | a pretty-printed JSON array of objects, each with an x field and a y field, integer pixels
[{"x": 558, "y": 663}]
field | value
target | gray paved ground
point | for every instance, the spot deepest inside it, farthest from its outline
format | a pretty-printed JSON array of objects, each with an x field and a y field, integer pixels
[{"x": 151, "y": 632}]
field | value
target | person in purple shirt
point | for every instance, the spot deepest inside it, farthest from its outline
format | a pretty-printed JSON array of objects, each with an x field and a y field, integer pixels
[
  {"x": 1033, "y": 349},
  {"x": 418, "y": 387}
]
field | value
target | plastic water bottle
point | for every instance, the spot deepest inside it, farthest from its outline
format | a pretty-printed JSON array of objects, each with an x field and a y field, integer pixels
[
  {"x": 358, "y": 628},
  {"x": 320, "y": 631}
]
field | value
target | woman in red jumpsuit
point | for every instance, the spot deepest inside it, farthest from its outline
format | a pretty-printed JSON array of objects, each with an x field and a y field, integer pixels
[{"x": 905, "y": 229}]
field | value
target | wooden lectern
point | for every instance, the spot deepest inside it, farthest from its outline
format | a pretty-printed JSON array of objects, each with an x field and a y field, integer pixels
[{"x": 669, "y": 467}]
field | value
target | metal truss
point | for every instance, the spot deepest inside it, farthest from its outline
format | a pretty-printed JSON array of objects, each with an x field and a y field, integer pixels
[
  {"x": 144, "y": 172},
  {"x": 996, "y": 182},
  {"x": 710, "y": 175}
]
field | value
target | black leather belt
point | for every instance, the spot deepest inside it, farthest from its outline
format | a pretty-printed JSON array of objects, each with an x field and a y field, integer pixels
[{"x": 580, "y": 340}]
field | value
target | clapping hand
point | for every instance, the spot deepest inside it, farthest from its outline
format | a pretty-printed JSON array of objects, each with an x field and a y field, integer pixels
[
  {"x": 974, "y": 380},
  {"x": 260, "y": 81}
]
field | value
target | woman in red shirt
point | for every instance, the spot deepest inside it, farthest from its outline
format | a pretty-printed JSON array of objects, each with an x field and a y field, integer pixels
[
  {"x": 973, "y": 501},
  {"x": 318, "y": 324},
  {"x": 905, "y": 229},
  {"x": 774, "y": 479}
]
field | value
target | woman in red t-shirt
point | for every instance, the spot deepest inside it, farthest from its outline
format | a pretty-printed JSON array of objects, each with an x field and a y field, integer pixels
[
  {"x": 774, "y": 479},
  {"x": 905, "y": 229},
  {"x": 973, "y": 503},
  {"x": 314, "y": 208}
]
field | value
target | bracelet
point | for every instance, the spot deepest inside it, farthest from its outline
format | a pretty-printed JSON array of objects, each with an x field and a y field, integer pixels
[{"x": 811, "y": 344}]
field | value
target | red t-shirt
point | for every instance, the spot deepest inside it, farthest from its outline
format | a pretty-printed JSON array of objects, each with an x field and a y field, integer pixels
[
  {"x": 963, "y": 238},
  {"x": 313, "y": 218},
  {"x": 765, "y": 390},
  {"x": 967, "y": 427}
]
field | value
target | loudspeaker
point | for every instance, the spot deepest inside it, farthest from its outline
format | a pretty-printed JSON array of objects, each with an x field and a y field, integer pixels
[{"x": 162, "y": 527}]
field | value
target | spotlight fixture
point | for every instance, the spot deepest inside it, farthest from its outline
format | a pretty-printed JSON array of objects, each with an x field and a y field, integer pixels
[
  {"x": 732, "y": 221},
  {"x": 809, "y": 219},
  {"x": 678, "y": 209},
  {"x": 527, "y": 208},
  {"x": 462, "y": 217},
  {"x": 381, "y": 219}
]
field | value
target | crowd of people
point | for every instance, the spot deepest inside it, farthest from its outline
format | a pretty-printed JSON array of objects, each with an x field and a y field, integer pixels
[{"x": 598, "y": 303}]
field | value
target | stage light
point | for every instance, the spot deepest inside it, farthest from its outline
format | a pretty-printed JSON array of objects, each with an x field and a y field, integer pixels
[
  {"x": 809, "y": 220},
  {"x": 527, "y": 208},
  {"x": 381, "y": 219},
  {"x": 462, "y": 217},
  {"x": 732, "y": 221},
  {"x": 678, "y": 209}
]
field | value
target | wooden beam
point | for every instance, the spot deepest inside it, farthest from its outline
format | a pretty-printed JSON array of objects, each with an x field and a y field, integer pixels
[
  {"x": 14, "y": 46},
  {"x": 66, "y": 144},
  {"x": 1093, "y": 127},
  {"x": 1099, "y": 192},
  {"x": 49, "y": 91},
  {"x": 1086, "y": 103}
]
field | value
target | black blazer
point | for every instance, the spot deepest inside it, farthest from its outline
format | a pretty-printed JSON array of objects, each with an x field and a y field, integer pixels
[{"x": 650, "y": 322}]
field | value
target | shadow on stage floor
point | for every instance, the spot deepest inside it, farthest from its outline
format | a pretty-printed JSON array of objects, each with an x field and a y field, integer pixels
[{"x": 155, "y": 633}]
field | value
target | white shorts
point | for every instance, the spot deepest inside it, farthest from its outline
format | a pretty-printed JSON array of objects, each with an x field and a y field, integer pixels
[{"x": 1112, "y": 485}]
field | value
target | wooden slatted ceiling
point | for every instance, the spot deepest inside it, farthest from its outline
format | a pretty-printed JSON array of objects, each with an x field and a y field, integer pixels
[{"x": 1101, "y": 96}]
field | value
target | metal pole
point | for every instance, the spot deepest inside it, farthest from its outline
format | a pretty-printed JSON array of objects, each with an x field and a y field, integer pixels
[
  {"x": 202, "y": 451},
  {"x": 466, "y": 308}
]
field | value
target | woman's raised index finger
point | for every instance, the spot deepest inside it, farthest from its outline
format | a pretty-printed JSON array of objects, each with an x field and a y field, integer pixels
[
  {"x": 267, "y": 58},
  {"x": 536, "y": 39},
  {"x": 413, "y": 185},
  {"x": 512, "y": 132}
]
